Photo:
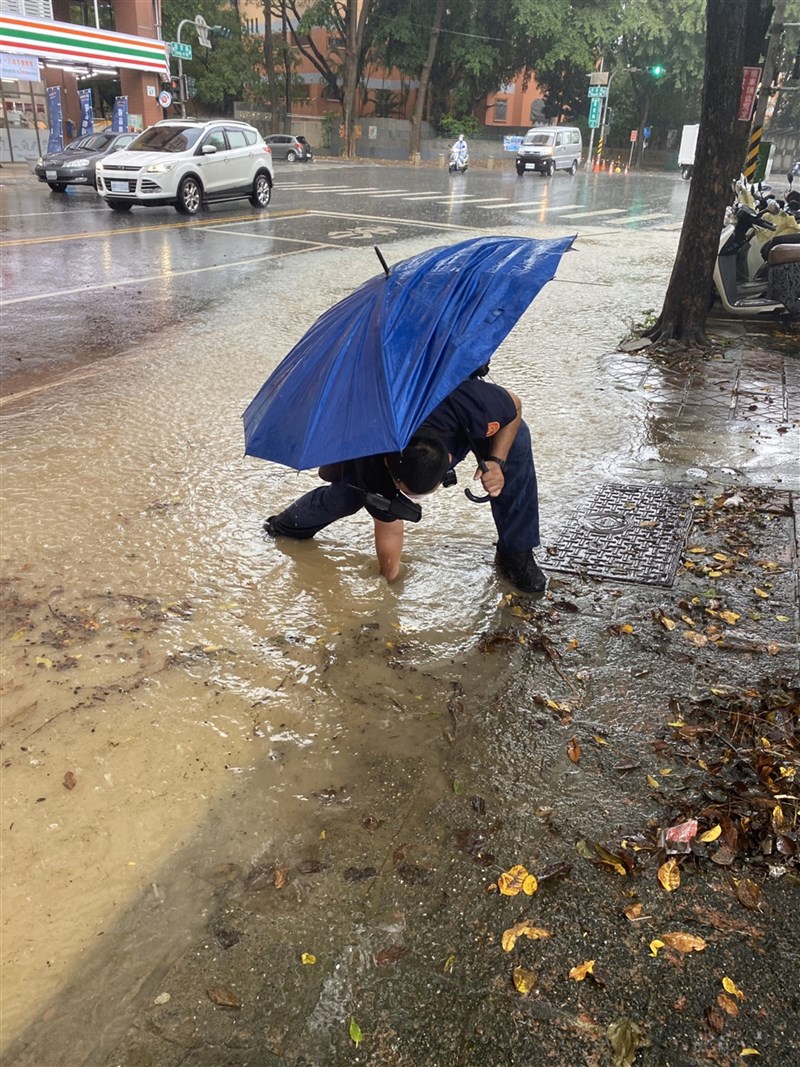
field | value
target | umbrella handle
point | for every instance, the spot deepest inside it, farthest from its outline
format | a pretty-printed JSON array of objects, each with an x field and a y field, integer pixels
[{"x": 468, "y": 492}]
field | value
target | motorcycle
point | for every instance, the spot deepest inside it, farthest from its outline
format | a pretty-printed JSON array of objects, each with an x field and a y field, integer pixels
[
  {"x": 758, "y": 260},
  {"x": 459, "y": 159}
]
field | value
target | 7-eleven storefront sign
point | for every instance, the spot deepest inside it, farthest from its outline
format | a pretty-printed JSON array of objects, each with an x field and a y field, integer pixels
[{"x": 81, "y": 44}]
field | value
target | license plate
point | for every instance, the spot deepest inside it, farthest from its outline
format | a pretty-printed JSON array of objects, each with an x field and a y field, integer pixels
[
  {"x": 119, "y": 187},
  {"x": 51, "y": 175}
]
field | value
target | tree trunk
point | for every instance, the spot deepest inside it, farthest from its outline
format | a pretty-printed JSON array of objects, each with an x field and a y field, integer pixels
[
  {"x": 276, "y": 119},
  {"x": 355, "y": 27},
  {"x": 425, "y": 76},
  {"x": 735, "y": 32}
]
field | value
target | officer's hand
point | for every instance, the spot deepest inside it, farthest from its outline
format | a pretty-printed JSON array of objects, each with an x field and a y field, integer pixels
[{"x": 492, "y": 478}]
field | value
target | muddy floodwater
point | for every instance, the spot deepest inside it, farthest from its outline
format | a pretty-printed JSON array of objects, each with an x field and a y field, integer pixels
[{"x": 175, "y": 687}]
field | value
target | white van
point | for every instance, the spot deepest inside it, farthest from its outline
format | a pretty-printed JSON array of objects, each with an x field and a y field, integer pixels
[{"x": 550, "y": 148}]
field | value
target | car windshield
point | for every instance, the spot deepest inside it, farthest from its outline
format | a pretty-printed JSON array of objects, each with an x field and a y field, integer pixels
[
  {"x": 166, "y": 139},
  {"x": 538, "y": 138},
  {"x": 80, "y": 145},
  {"x": 97, "y": 142}
]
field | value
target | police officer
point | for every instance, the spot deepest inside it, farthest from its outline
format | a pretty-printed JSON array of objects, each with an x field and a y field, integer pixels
[{"x": 478, "y": 417}]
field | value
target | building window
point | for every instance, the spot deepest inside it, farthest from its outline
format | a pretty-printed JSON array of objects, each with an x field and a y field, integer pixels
[{"x": 501, "y": 111}]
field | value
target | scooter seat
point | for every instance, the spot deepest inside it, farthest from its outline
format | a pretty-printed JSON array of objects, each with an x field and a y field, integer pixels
[{"x": 780, "y": 254}]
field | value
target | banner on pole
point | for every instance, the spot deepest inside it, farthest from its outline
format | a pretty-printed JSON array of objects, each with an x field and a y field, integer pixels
[
  {"x": 751, "y": 76},
  {"x": 55, "y": 142},
  {"x": 119, "y": 121},
  {"x": 86, "y": 124}
]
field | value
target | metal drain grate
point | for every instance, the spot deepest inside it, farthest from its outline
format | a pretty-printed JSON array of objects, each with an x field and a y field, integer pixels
[{"x": 629, "y": 533}]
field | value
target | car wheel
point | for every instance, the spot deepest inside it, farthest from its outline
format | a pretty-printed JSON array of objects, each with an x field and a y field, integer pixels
[
  {"x": 58, "y": 187},
  {"x": 262, "y": 191},
  {"x": 291, "y": 156},
  {"x": 551, "y": 168},
  {"x": 119, "y": 205},
  {"x": 520, "y": 169},
  {"x": 190, "y": 197},
  {"x": 574, "y": 168}
]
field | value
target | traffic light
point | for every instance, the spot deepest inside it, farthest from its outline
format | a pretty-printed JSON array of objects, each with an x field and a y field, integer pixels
[
  {"x": 657, "y": 70},
  {"x": 219, "y": 31}
]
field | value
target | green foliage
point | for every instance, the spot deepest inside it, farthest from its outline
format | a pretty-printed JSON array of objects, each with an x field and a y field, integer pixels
[
  {"x": 329, "y": 120},
  {"x": 450, "y": 126}
]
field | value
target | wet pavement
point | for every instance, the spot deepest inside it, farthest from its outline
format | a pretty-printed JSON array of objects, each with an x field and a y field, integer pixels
[{"x": 254, "y": 799}]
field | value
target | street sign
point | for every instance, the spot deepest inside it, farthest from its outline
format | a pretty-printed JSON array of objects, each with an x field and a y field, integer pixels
[
  {"x": 165, "y": 98},
  {"x": 597, "y": 90},
  {"x": 202, "y": 28},
  {"x": 594, "y": 112},
  {"x": 634, "y": 135},
  {"x": 179, "y": 50}
]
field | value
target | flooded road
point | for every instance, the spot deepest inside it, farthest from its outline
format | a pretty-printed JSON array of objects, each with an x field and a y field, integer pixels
[{"x": 179, "y": 691}]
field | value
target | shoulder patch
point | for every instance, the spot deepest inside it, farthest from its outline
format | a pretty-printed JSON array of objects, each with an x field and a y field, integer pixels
[{"x": 492, "y": 429}]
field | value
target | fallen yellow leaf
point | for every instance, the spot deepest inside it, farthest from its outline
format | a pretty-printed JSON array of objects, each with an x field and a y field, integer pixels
[
  {"x": 667, "y": 623},
  {"x": 731, "y": 617},
  {"x": 730, "y": 986},
  {"x": 626, "y": 628},
  {"x": 522, "y": 929},
  {"x": 530, "y": 885},
  {"x": 669, "y": 875},
  {"x": 749, "y": 1052},
  {"x": 524, "y": 981},
  {"x": 510, "y": 882},
  {"x": 655, "y": 946},
  {"x": 599, "y": 740},
  {"x": 43, "y": 661},
  {"x": 760, "y": 592},
  {"x": 580, "y": 972},
  {"x": 712, "y": 834},
  {"x": 652, "y": 782},
  {"x": 308, "y": 957}
]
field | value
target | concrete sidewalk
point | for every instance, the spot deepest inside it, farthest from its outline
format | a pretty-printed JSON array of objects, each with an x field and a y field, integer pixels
[{"x": 583, "y": 726}]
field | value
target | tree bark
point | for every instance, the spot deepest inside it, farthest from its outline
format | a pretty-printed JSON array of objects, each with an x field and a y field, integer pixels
[
  {"x": 355, "y": 28},
  {"x": 735, "y": 31},
  {"x": 424, "y": 79}
]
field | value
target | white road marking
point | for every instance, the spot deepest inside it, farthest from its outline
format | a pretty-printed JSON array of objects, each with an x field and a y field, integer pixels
[
  {"x": 647, "y": 218},
  {"x": 546, "y": 207},
  {"x": 592, "y": 214},
  {"x": 392, "y": 219},
  {"x": 513, "y": 205}
]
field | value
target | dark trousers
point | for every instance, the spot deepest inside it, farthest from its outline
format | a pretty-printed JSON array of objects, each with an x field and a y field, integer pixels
[{"x": 515, "y": 511}]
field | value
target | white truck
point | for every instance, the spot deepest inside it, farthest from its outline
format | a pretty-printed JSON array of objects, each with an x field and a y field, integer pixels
[{"x": 687, "y": 150}]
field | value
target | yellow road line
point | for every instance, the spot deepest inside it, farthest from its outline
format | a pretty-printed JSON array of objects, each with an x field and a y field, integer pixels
[{"x": 90, "y": 234}]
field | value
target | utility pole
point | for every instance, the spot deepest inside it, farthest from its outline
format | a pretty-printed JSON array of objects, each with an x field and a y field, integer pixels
[{"x": 767, "y": 80}]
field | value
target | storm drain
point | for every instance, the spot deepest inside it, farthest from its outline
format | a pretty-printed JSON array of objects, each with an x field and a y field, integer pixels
[{"x": 628, "y": 533}]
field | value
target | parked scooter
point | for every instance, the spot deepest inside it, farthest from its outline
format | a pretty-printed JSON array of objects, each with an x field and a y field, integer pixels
[
  {"x": 758, "y": 261},
  {"x": 459, "y": 156}
]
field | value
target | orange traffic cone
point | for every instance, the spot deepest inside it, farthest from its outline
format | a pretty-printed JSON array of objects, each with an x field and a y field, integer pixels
[
  {"x": 596, "y": 167},
  {"x": 602, "y": 164}
]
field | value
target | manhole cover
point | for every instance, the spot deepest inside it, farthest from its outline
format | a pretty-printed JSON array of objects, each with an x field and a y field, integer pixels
[{"x": 629, "y": 533}]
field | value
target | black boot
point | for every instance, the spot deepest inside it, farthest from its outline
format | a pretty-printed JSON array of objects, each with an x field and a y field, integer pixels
[{"x": 522, "y": 570}]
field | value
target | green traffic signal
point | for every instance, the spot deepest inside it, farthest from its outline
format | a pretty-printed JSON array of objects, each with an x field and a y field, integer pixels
[{"x": 657, "y": 71}]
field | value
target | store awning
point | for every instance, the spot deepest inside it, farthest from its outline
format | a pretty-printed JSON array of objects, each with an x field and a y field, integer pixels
[{"x": 81, "y": 44}]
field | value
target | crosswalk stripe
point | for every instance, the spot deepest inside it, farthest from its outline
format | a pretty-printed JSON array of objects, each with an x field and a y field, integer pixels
[
  {"x": 513, "y": 205},
  {"x": 592, "y": 214},
  {"x": 555, "y": 207},
  {"x": 648, "y": 218},
  {"x": 366, "y": 189}
]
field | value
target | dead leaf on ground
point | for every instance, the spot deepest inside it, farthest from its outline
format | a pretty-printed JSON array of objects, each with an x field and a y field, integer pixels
[
  {"x": 387, "y": 956},
  {"x": 730, "y": 1007},
  {"x": 684, "y": 942},
  {"x": 731, "y": 987},
  {"x": 633, "y": 911},
  {"x": 517, "y": 880},
  {"x": 748, "y": 894},
  {"x": 523, "y": 929},
  {"x": 281, "y": 877},
  {"x": 579, "y": 972},
  {"x": 655, "y": 946},
  {"x": 669, "y": 875},
  {"x": 223, "y": 998},
  {"x": 70, "y": 781},
  {"x": 574, "y": 750},
  {"x": 626, "y": 1038},
  {"x": 524, "y": 981}
]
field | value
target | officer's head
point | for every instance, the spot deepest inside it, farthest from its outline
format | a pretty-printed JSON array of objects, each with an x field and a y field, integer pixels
[{"x": 421, "y": 466}]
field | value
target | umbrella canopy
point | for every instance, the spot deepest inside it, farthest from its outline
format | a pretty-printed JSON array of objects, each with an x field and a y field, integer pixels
[{"x": 370, "y": 369}]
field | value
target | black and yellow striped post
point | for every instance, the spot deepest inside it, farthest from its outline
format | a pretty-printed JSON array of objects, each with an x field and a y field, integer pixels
[{"x": 751, "y": 159}]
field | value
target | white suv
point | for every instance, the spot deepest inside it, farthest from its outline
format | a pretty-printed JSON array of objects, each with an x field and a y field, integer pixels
[{"x": 188, "y": 164}]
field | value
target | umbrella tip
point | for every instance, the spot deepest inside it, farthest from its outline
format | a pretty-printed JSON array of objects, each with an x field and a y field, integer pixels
[{"x": 384, "y": 264}]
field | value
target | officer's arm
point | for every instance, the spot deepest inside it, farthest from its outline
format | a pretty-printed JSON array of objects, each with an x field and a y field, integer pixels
[
  {"x": 500, "y": 445},
  {"x": 389, "y": 547}
]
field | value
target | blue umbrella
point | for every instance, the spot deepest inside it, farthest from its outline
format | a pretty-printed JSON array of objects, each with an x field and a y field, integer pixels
[{"x": 369, "y": 370}]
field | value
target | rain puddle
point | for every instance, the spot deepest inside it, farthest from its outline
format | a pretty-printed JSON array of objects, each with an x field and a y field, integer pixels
[{"x": 180, "y": 693}]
